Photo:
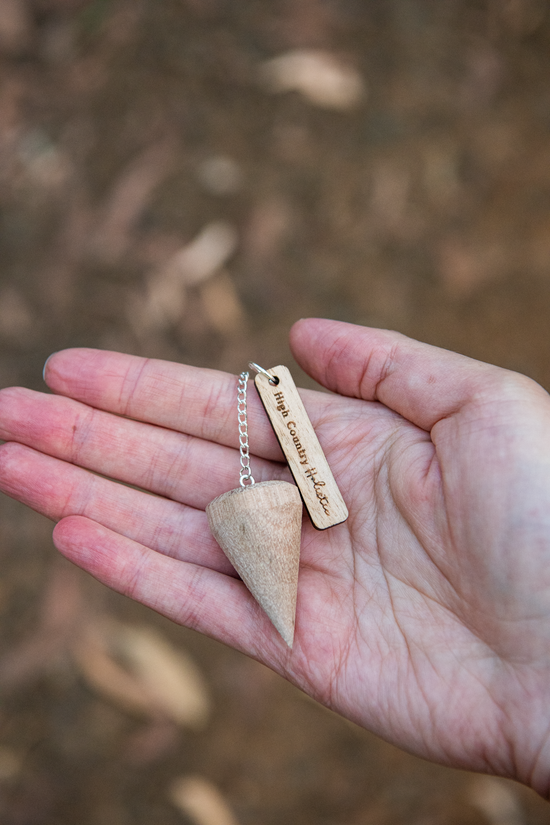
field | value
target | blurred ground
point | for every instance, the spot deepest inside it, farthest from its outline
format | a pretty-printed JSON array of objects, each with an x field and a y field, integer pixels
[{"x": 184, "y": 179}]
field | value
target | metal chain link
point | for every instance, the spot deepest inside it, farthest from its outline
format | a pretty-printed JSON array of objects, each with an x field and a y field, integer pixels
[{"x": 246, "y": 475}]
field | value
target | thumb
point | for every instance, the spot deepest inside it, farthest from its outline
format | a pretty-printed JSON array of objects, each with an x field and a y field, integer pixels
[{"x": 420, "y": 382}]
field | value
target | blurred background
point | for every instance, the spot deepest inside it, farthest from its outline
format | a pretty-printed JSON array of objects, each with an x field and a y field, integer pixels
[{"x": 183, "y": 179}]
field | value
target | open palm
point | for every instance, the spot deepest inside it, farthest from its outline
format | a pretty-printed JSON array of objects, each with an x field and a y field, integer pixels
[{"x": 425, "y": 617}]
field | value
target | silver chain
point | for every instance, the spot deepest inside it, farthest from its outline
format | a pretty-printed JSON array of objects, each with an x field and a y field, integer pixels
[{"x": 246, "y": 475}]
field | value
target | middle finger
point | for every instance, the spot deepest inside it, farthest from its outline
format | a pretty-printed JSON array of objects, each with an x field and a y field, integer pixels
[{"x": 162, "y": 461}]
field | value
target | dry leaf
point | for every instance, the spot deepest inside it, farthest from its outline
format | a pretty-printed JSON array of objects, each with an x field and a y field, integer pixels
[
  {"x": 146, "y": 313},
  {"x": 201, "y": 801},
  {"x": 63, "y": 601},
  {"x": 108, "y": 678},
  {"x": 463, "y": 266},
  {"x": 222, "y": 305},
  {"x": 495, "y": 798},
  {"x": 203, "y": 256},
  {"x": 37, "y": 654},
  {"x": 269, "y": 225},
  {"x": 129, "y": 197},
  {"x": 161, "y": 306},
  {"x": 165, "y": 298},
  {"x": 16, "y": 320},
  {"x": 320, "y": 76},
  {"x": 151, "y": 743},
  {"x": 10, "y": 763},
  {"x": 40, "y": 652},
  {"x": 166, "y": 673},
  {"x": 139, "y": 671},
  {"x": 164, "y": 301},
  {"x": 220, "y": 175},
  {"x": 46, "y": 165}
]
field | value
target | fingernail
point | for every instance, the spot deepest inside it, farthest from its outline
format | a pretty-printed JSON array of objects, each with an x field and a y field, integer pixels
[{"x": 46, "y": 364}]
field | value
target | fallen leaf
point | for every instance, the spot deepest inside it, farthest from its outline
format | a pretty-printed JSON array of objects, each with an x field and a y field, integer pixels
[
  {"x": 496, "y": 800},
  {"x": 166, "y": 673},
  {"x": 164, "y": 300},
  {"x": 464, "y": 267},
  {"x": 108, "y": 678},
  {"x": 203, "y": 256},
  {"x": 46, "y": 165},
  {"x": 128, "y": 199},
  {"x": 222, "y": 305},
  {"x": 10, "y": 763},
  {"x": 145, "y": 313},
  {"x": 17, "y": 323},
  {"x": 154, "y": 741},
  {"x": 220, "y": 175},
  {"x": 320, "y": 76},
  {"x": 137, "y": 669},
  {"x": 201, "y": 801},
  {"x": 269, "y": 225},
  {"x": 41, "y": 651}
]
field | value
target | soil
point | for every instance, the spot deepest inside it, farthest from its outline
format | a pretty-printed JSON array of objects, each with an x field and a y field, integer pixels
[{"x": 127, "y": 129}]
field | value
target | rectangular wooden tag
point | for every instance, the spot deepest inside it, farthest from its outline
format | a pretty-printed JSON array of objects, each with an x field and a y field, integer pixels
[{"x": 302, "y": 449}]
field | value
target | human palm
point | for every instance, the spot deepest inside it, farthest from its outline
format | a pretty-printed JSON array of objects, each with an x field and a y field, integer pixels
[{"x": 425, "y": 617}]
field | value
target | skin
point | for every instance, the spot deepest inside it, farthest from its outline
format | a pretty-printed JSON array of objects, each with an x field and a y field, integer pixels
[{"x": 424, "y": 618}]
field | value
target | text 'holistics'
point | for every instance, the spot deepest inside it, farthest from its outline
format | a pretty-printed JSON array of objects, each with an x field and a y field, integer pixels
[{"x": 310, "y": 472}]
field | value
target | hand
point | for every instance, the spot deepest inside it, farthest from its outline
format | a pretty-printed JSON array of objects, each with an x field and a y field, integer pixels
[{"x": 425, "y": 617}]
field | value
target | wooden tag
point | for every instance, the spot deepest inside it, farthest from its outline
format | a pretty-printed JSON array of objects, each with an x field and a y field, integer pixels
[{"x": 301, "y": 447}]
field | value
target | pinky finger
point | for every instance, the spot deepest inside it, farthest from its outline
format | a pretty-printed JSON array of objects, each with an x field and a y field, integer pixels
[{"x": 197, "y": 597}]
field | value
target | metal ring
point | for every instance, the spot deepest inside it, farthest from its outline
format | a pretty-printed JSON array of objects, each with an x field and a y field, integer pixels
[{"x": 271, "y": 378}]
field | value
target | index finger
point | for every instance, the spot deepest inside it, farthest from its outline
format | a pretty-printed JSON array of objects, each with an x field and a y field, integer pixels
[{"x": 191, "y": 400}]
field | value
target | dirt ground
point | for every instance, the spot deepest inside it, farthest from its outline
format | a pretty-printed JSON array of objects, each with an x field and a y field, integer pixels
[{"x": 167, "y": 188}]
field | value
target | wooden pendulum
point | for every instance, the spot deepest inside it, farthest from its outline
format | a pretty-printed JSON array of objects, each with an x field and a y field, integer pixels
[{"x": 258, "y": 526}]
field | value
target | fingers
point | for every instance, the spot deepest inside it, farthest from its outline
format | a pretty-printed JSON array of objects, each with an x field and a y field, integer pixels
[
  {"x": 171, "y": 464},
  {"x": 198, "y": 402},
  {"x": 197, "y": 597},
  {"x": 421, "y": 382},
  {"x": 57, "y": 489}
]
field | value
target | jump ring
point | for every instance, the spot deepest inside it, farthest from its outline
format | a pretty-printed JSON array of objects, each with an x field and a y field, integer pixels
[{"x": 271, "y": 378}]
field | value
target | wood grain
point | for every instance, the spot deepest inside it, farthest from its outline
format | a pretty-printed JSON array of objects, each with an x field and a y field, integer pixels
[
  {"x": 302, "y": 449},
  {"x": 259, "y": 529}
]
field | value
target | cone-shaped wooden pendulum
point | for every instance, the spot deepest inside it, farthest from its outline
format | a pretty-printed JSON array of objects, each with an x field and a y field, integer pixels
[{"x": 258, "y": 527}]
